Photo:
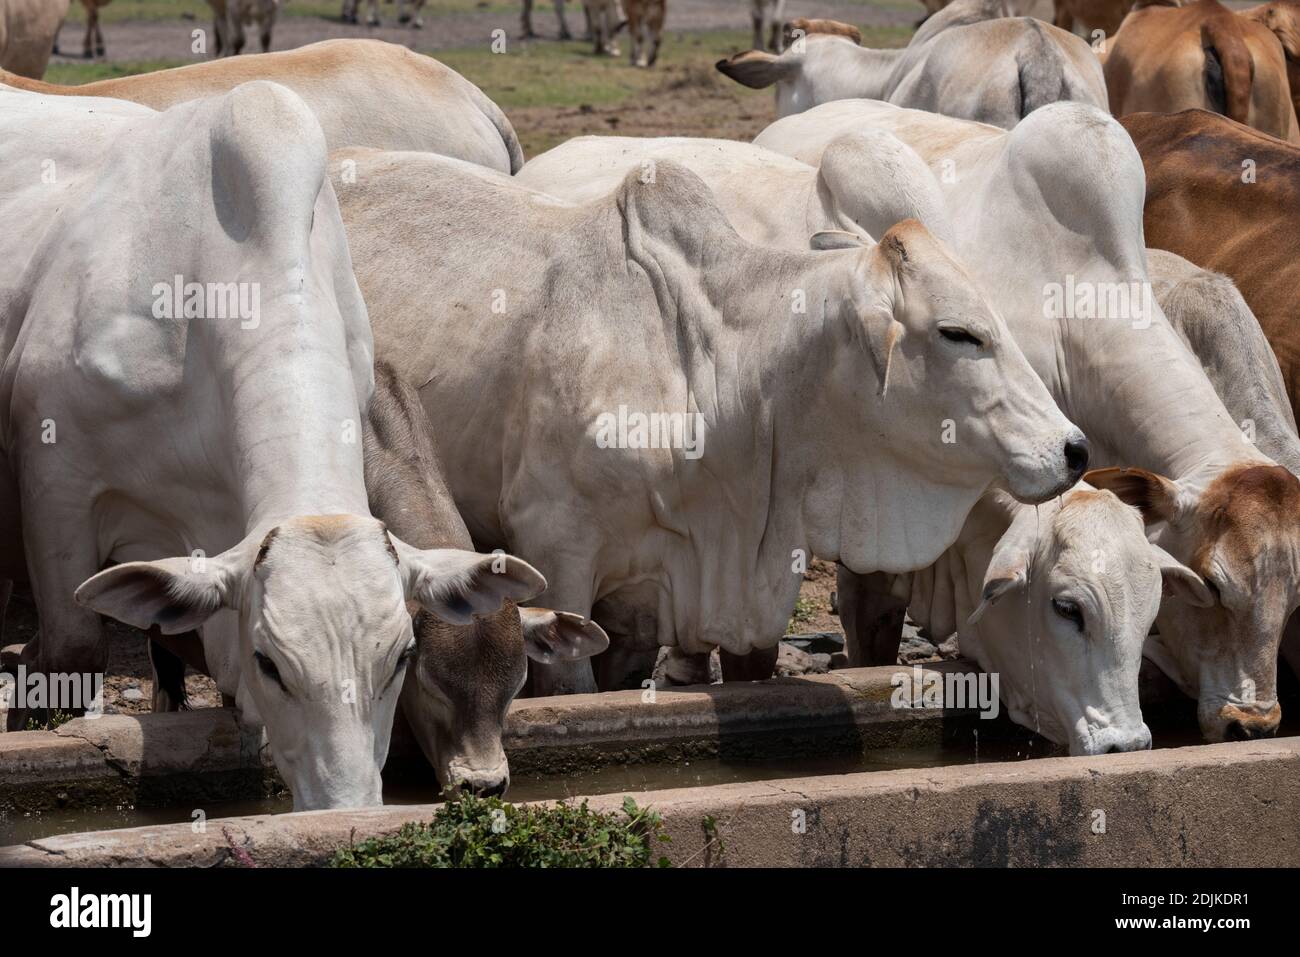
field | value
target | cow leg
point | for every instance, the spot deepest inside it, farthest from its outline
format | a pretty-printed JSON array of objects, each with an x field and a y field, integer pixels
[
  {"x": 528, "y": 19},
  {"x": 168, "y": 678},
  {"x": 758, "y": 665},
  {"x": 656, "y": 30},
  {"x": 871, "y": 616},
  {"x": 681, "y": 668},
  {"x": 99, "y": 36},
  {"x": 417, "y": 15},
  {"x": 87, "y": 45},
  {"x": 757, "y": 19},
  {"x": 569, "y": 589},
  {"x": 71, "y": 639},
  {"x": 778, "y": 36},
  {"x": 564, "y": 26}
]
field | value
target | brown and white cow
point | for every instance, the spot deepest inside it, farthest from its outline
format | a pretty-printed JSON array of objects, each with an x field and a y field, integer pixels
[
  {"x": 1202, "y": 56},
  {"x": 1227, "y": 197},
  {"x": 456, "y": 696}
]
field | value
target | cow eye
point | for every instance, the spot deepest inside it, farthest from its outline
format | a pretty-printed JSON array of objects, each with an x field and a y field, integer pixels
[
  {"x": 954, "y": 334},
  {"x": 1069, "y": 610},
  {"x": 402, "y": 661},
  {"x": 268, "y": 668}
]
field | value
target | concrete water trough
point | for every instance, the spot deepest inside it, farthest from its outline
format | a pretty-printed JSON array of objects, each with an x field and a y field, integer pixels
[
  {"x": 734, "y": 751},
  {"x": 1214, "y": 805}
]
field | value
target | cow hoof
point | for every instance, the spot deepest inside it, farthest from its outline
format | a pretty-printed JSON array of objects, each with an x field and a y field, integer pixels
[
  {"x": 100, "y": 51},
  {"x": 417, "y": 25},
  {"x": 372, "y": 23},
  {"x": 566, "y": 35},
  {"x": 404, "y": 18}
]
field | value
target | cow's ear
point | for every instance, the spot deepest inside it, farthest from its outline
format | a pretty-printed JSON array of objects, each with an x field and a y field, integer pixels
[
  {"x": 1156, "y": 497},
  {"x": 455, "y": 585},
  {"x": 827, "y": 239},
  {"x": 757, "y": 69},
  {"x": 176, "y": 594},
  {"x": 551, "y": 636},
  {"x": 1008, "y": 568},
  {"x": 1181, "y": 582}
]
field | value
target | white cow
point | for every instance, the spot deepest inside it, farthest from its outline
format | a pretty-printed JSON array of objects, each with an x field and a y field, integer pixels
[
  {"x": 420, "y": 105},
  {"x": 29, "y": 31},
  {"x": 769, "y": 198},
  {"x": 186, "y": 359},
  {"x": 1068, "y": 647},
  {"x": 1057, "y": 601},
  {"x": 757, "y": 366},
  {"x": 970, "y": 60},
  {"x": 1055, "y": 232}
]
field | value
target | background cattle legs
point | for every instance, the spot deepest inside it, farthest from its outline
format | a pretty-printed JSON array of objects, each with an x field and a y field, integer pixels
[{"x": 871, "y": 616}]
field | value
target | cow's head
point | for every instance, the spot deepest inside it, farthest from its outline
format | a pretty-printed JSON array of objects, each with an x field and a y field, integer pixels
[
  {"x": 324, "y": 633},
  {"x": 465, "y": 677},
  {"x": 967, "y": 402},
  {"x": 1240, "y": 534},
  {"x": 1076, "y": 587}
]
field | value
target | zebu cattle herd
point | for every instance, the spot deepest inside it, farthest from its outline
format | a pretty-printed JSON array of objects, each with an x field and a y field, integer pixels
[{"x": 308, "y": 374}]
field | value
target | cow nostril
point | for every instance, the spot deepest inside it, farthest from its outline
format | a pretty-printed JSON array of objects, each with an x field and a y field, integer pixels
[
  {"x": 490, "y": 790},
  {"x": 1239, "y": 732},
  {"x": 1114, "y": 749},
  {"x": 1076, "y": 457}
]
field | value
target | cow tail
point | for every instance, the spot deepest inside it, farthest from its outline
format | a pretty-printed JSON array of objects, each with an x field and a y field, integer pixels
[
  {"x": 1040, "y": 72},
  {"x": 504, "y": 129},
  {"x": 1229, "y": 71}
]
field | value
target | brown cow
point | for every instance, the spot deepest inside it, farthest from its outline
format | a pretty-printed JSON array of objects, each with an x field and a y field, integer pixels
[
  {"x": 1166, "y": 59},
  {"x": 1283, "y": 18},
  {"x": 1227, "y": 198},
  {"x": 455, "y": 698}
]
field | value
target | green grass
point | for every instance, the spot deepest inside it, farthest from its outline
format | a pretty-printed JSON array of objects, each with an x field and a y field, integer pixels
[
  {"x": 546, "y": 73},
  {"x": 74, "y": 74},
  {"x": 474, "y": 832}
]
